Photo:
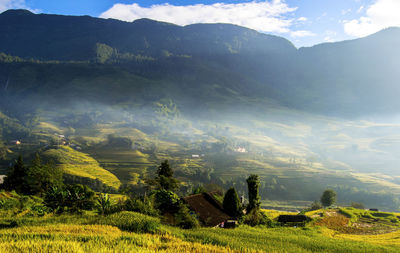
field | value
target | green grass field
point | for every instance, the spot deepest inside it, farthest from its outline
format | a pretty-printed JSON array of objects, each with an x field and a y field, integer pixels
[{"x": 92, "y": 233}]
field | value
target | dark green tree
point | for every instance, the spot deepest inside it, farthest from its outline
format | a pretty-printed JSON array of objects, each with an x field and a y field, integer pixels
[
  {"x": 253, "y": 184},
  {"x": 167, "y": 201},
  {"x": 184, "y": 219},
  {"x": 165, "y": 170},
  {"x": 16, "y": 177},
  {"x": 328, "y": 198},
  {"x": 40, "y": 177},
  {"x": 164, "y": 179},
  {"x": 231, "y": 203}
]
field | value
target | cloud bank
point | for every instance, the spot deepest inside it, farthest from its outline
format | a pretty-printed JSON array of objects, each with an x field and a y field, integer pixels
[
  {"x": 381, "y": 14},
  {"x": 263, "y": 16}
]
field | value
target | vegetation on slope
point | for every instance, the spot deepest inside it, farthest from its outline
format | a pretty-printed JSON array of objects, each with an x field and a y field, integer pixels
[{"x": 80, "y": 164}]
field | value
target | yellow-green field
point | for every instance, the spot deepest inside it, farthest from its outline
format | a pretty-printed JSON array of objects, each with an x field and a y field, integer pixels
[
  {"x": 105, "y": 238},
  {"x": 114, "y": 233},
  {"x": 80, "y": 164}
]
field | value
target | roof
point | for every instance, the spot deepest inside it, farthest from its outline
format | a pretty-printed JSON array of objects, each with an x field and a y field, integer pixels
[{"x": 208, "y": 209}]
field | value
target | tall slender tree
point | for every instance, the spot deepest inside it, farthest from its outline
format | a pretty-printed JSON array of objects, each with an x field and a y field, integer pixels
[{"x": 253, "y": 184}]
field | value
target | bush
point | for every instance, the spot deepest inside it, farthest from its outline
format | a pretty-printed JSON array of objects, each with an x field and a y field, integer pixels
[
  {"x": 132, "y": 222},
  {"x": 316, "y": 205},
  {"x": 104, "y": 205},
  {"x": 166, "y": 201},
  {"x": 72, "y": 198},
  {"x": 184, "y": 219},
  {"x": 143, "y": 205},
  {"x": 257, "y": 217},
  {"x": 357, "y": 205}
]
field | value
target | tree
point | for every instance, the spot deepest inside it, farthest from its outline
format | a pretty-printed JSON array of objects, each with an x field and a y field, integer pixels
[
  {"x": 167, "y": 201},
  {"x": 164, "y": 179},
  {"x": 184, "y": 219},
  {"x": 253, "y": 184},
  {"x": 328, "y": 198},
  {"x": 165, "y": 170},
  {"x": 40, "y": 177},
  {"x": 15, "y": 179},
  {"x": 231, "y": 203}
]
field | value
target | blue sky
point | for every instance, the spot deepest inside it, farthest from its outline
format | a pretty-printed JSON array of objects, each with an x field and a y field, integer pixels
[{"x": 304, "y": 22}]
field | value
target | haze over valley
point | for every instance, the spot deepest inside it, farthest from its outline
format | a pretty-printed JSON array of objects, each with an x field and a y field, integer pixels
[{"x": 109, "y": 100}]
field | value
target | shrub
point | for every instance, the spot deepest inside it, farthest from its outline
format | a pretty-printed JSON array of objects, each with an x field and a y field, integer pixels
[
  {"x": 316, "y": 205},
  {"x": 104, "y": 205},
  {"x": 256, "y": 217},
  {"x": 184, "y": 219},
  {"x": 143, "y": 205},
  {"x": 73, "y": 198},
  {"x": 133, "y": 222},
  {"x": 357, "y": 205},
  {"x": 166, "y": 201}
]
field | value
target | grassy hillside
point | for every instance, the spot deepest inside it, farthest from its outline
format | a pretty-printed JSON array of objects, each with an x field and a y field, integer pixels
[{"x": 80, "y": 164}]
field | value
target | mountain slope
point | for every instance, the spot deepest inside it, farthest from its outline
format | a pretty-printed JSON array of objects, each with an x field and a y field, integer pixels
[{"x": 229, "y": 62}]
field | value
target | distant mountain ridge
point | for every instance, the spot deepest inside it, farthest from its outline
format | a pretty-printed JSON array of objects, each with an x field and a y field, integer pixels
[
  {"x": 200, "y": 63},
  {"x": 56, "y": 37}
]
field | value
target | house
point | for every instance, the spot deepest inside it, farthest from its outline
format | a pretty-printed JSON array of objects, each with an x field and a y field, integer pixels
[
  {"x": 295, "y": 220},
  {"x": 16, "y": 142},
  {"x": 207, "y": 208},
  {"x": 240, "y": 150},
  {"x": 195, "y": 156}
]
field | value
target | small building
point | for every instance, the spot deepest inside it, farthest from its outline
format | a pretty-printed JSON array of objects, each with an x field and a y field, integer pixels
[
  {"x": 229, "y": 224},
  {"x": 240, "y": 150},
  {"x": 208, "y": 209},
  {"x": 16, "y": 142},
  {"x": 293, "y": 220},
  {"x": 195, "y": 156}
]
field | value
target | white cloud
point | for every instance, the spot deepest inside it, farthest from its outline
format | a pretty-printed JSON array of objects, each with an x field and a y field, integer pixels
[
  {"x": 12, "y": 4},
  {"x": 301, "y": 33},
  {"x": 302, "y": 19},
  {"x": 381, "y": 14},
  {"x": 263, "y": 16}
]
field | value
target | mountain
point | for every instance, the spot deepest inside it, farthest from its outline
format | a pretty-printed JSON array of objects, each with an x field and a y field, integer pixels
[{"x": 221, "y": 61}]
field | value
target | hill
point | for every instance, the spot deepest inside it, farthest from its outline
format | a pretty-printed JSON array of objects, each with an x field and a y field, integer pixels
[
  {"x": 75, "y": 163},
  {"x": 201, "y": 63}
]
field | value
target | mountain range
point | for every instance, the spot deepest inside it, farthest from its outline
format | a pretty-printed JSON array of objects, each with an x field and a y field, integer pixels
[{"x": 108, "y": 61}]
